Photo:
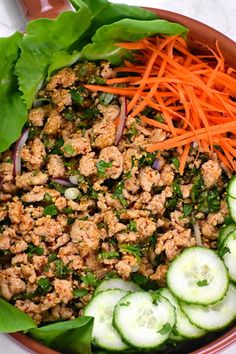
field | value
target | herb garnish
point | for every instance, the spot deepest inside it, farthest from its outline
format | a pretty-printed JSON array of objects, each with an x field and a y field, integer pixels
[
  {"x": 50, "y": 210},
  {"x": 102, "y": 166},
  {"x": 203, "y": 282}
]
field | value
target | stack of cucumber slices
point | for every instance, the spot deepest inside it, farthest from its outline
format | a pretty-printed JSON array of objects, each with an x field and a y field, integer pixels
[{"x": 200, "y": 298}]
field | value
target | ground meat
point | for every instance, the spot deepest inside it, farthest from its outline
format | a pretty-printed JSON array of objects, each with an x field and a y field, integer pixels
[
  {"x": 148, "y": 178},
  {"x": 211, "y": 172},
  {"x": 160, "y": 275},
  {"x": 103, "y": 134},
  {"x": 110, "y": 113},
  {"x": 145, "y": 227},
  {"x": 37, "y": 194},
  {"x": 85, "y": 235},
  {"x": 166, "y": 176},
  {"x": 10, "y": 284},
  {"x": 33, "y": 154},
  {"x": 63, "y": 289},
  {"x": 48, "y": 229},
  {"x": 172, "y": 242},
  {"x": 15, "y": 211},
  {"x": 26, "y": 180},
  {"x": 37, "y": 115},
  {"x": 157, "y": 204},
  {"x": 114, "y": 226},
  {"x": 112, "y": 155},
  {"x": 107, "y": 72},
  {"x": 126, "y": 266},
  {"x": 53, "y": 123},
  {"x": 55, "y": 166},
  {"x": 61, "y": 98},
  {"x": 65, "y": 78},
  {"x": 87, "y": 165},
  {"x": 76, "y": 145}
]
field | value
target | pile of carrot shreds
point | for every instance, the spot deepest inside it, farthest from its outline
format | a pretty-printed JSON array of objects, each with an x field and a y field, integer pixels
[{"x": 194, "y": 93}]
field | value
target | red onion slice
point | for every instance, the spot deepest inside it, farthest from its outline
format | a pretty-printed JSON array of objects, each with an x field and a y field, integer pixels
[
  {"x": 63, "y": 182},
  {"x": 1, "y": 182},
  {"x": 17, "y": 153},
  {"x": 156, "y": 165},
  {"x": 123, "y": 117}
]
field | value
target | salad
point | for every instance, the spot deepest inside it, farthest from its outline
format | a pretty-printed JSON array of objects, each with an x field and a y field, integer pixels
[{"x": 117, "y": 186}]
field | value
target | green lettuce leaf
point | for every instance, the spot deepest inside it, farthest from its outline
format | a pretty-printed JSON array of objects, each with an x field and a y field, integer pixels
[
  {"x": 106, "y": 37},
  {"x": 62, "y": 59},
  {"x": 13, "y": 113},
  {"x": 13, "y": 320},
  {"x": 44, "y": 38},
  {"x": 72, "y": 336}
]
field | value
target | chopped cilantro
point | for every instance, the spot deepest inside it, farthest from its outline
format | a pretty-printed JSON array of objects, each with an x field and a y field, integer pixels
[
  {"x": 47, "y": 198},
  {"x": 52, "y": 257},
  {"x": 214, "y": 200},
  {"x": 127, "y": 175},
  {"x": 102, "y": 166},
  {"x": 132, "y": 132},
  {"x": 70, "y": 221},
  {"x": 92, "y": 193},
  {"x": 77, "y": 98},
  {"x": 187, "y": 209},
  {"x": 131, "y": 249},
  {"x": 50, "y": 210},
  {"x": 56, "y": 148},
  {"x": 90, "y": 279},
  {"x": 197, "y": 187},
  {"x": 32, "y": 249},
  {"x": 132, "y": 226},
  {"x": 68, "y": 210},
  {"x": 175, "y": 162},
  {"x": 106, "y": 98},
  {"x": 69, "y": 115},
  {"x": 203, "y": 282},
  {"x": 44, "y": 286},
  {"x": 80, "y": 293},
  {"x": 166, "y": 328},
  {"x": 109, "y": 255},
  {"x": 118, "y": 194},
  {"x": 159, "y": 118},
  {"x": 90, "y": 113},
  {"x": 147, "y": 159},
  {"x": 176, "y": 188},
  {"x": 58, "y": 187},
  {"x": 61, "y": 270},
  {"x": 69, "y": 149},
  {"x": 96, "y": 80}
]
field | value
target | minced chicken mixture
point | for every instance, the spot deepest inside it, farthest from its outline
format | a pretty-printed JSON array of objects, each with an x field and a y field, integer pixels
[{"x": 85, "y": 208}]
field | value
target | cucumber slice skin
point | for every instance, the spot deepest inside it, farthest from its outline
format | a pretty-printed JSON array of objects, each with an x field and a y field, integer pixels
[
  {"x": 117, "y": 283},
  {"x": 191, "y": 311},
  {"x": 101, "y": 331},
  {"x": 232, "y": 206},
  {"x": 231, "y": 187},
  {"x": 230, "y": 257},
  {"x": 126, "y": 337},
  {"x": 184, "y": 328},
  {"x": 224, "y": 232},
  {"x": 177, "y": 283}
]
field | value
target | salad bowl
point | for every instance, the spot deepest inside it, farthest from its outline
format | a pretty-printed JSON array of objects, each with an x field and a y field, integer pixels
[{"x": 200, "y": 39}]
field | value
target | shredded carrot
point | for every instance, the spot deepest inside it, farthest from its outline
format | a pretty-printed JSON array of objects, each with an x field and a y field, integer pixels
[{"x": 194, "y": 94}]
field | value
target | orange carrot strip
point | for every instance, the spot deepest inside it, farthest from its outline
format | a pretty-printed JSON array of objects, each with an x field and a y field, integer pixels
[
  {"x": 160, "y": 125},
  {"x": 183, "y": 159}
]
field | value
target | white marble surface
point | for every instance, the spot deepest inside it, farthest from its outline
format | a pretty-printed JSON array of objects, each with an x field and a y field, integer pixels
[{"x": 219, "y": 14}]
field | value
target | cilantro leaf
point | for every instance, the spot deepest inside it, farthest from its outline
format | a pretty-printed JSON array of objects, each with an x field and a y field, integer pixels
[
  {"x": 102, "y": 166},
  {"x": 203, "y": 282},
  {"x": 166, "y": 328}
]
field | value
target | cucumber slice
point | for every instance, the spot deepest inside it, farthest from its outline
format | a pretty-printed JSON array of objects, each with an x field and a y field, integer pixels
[
  {"x": 143, "y": 322},
  {"x": 117, "y": 283},
  {"x": 101, "y": 308},
  {"x": 228, "y": 254},
  {"x": 198, "y": 276},
  {"x": 213, "y": 317},
  {"x": 183, "y": 326},
  {"x": 224, "y": 232},
  {"x": 231, "y": 187},
  {"x": 232, "y": 206}
]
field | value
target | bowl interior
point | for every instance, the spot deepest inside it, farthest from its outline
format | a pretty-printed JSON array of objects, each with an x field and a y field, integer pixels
[{"x": 200, "y": 37}]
